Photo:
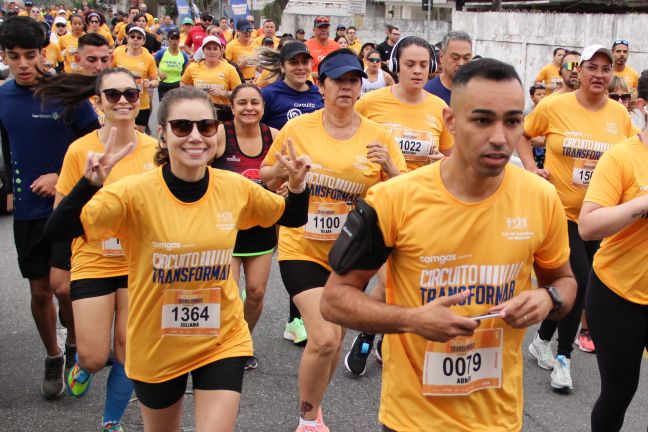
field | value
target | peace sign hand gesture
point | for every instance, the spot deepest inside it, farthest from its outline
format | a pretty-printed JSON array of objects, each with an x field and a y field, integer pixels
[
  {"x": 99, "y": 165},
  {"x": 297, "y": 168}
]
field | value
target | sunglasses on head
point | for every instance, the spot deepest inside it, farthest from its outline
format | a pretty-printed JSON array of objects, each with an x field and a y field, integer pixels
[
  {"x": 113, "y": 95},
  {"x": 621, "y": 42},
  {"x": 570, "y": 66},
  {"x": 322, "y": 19},
  {"x": 624, "y": 97},
  {"x": 373, "y": 60},
  {"x": 182, "y": 128}
]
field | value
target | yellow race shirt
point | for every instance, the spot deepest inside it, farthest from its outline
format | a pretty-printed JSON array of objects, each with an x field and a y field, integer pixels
[
  {"x": 417, "y": 129},
  {"x": 442, "y": 246},
  {"x": 101, "y": 259},
  {"x": 106, "y": 34},
  {"x": 575, "y": 140},
  {"x": 227, "y": 35},
  {"x": 550, "y": 76},
  {"x": 339, "y": 175},
  {"x": 69, "y": 45},
  {"x": 184, "y": 308},
  {"x": 620, "y": 262},
  {"x": 53, "y": 56},
  {"x": 203, "y": 77},
  {"x": 142, "y": 66},
  {"x": 356, "y": 46},
  {"x": 259, "y": 40},
  {"x": 630, "y": 76},
  {"x": 235, "y": 51}
]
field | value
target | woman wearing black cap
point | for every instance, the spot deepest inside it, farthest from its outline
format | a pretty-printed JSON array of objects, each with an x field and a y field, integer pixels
[
  {"x": 349, "y": 155},
  {"x": 171, "y": 64}
]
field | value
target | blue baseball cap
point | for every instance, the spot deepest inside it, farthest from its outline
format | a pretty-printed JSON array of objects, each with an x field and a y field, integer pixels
[{"x": 340, "y": 62}]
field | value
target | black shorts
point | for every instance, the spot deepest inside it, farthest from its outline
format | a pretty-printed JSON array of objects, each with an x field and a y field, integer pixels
[
  {"x": 224, "y": 374},
  {"x": 36, "y": 254},
  {"x": 300, "y": 276},
  {"x": 255, "y": 241},
  {"x": 142, "y": 118},
  {"x": 96, "y": 287}
]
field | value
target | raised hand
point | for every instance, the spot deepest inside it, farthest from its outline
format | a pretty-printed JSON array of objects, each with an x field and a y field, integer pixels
[
  {"x": 296, "y": 166},
  {"x": 99, "y": 165}
]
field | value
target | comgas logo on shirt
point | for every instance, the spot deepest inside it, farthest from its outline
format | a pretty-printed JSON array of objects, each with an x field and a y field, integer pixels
[{"x": 440, "y": 259}]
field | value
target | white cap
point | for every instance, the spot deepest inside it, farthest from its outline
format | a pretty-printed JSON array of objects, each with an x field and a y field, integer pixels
[
  {"x": 62, "y": 11},
  {"x": 137, "y": 29},
  {"x": 591, "y": 50},
  {"x": 209, "y": 39},
  {"x": 60, "y": 20}
]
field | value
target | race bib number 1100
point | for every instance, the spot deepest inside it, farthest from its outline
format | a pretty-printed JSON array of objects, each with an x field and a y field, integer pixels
[{"x": 464, "y": 364}]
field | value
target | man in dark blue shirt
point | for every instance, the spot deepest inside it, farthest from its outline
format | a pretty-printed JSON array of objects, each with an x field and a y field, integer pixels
[
  {"x": 34, "y": 142},
  {"x": 456, "y": 50}
]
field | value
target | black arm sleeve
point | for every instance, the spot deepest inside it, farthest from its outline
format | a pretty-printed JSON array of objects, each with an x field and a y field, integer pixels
[
  {"x": 65, "y": 222},
  {"x": 296, "y": 212},
  {"x": 6, "y": 154}
]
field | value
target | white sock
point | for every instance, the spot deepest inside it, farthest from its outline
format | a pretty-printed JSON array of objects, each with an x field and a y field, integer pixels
[
  {"x": 56, "y": 356},
  {"x": 303, "y": 422}
]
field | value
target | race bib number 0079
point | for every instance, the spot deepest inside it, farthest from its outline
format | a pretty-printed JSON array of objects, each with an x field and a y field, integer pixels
[
  {"x": 464, "y": 364},
  {"x": 191, "y": 312}
]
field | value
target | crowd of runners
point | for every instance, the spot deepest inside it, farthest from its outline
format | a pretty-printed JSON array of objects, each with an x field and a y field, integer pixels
[{"x": 352, "y": 161}]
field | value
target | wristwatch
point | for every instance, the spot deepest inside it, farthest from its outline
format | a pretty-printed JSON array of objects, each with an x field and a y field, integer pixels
[{"x": 555, "y": 298}]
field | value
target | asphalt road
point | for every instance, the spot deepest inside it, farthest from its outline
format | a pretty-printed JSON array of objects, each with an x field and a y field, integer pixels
[{"x": 269, "y": 400}]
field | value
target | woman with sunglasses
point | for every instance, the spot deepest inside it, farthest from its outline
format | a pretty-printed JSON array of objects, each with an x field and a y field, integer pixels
[
  {"x": 99, "y": 270},
  {"x": 376, "y": 77},
  {"x": 349, "y": 154},
  {"x": 141, "y": 64},
  {"x": 367, "y": 47},
  {"x": 242, "y": 144},
  {"x": 179, "y": 225},
  {"x": 214, "y": 75},
  {"x": 69, "y": 43},
  {"x": 96, "y": 24},
  {"x": 291, "y": 94},
  {"x": 615, "y": 209},
  {"x": 618, "y": 91}
]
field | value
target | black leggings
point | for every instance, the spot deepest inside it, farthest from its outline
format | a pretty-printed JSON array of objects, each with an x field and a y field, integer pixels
[
  {"x": 619, "y": 329},
  {"x": 580, "y": 259}
]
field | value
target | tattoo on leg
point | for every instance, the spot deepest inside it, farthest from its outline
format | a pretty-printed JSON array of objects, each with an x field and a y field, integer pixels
[{"x": 305, "y": 407}]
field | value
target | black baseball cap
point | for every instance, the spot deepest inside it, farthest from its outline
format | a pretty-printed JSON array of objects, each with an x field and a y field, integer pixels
[
  {"x": 173, "y": 33},
  {"x": 293, "y": 49},
  {"x": 341, "y": 26}
]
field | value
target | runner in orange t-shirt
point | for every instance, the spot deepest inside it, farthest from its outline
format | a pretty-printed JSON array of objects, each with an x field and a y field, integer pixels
[{"x": 320, "y": 46}]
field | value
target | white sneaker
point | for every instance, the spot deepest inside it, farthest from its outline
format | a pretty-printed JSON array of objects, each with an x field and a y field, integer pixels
[
  {"x": 561, "y": 376},
  {"x": 541, "y": 350}
]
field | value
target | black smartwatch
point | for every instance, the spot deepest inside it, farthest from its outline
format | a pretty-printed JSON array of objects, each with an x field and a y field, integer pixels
[{"x": 555, "y": 298}]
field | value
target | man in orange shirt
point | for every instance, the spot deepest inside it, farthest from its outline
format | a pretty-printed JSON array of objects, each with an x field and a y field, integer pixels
[{"x": 320, "y": 46}]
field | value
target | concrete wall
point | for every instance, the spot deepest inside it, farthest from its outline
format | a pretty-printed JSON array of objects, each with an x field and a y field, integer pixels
[{"x": 526, "y": 40}]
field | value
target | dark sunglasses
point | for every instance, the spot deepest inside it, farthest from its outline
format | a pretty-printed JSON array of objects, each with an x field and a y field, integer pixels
[
  {"x": 136, "y": 37},
  {"x": 373, "y": 60},
  {"x": 60, "y": 25},
  {"x": 93, "y": 22},
  {"x": 113, "y": 95},
  {"x": 182, "y": 128},
  {"x": 625, "y": 97},
  {"x": 570, "y": 66}
]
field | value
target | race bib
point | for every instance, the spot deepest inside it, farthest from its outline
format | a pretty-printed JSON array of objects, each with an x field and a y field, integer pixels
[
  {"x": 325, "y": 220},
  {"x": 112, "y": 247},
  {"x": 191, "y": 312},
  {"x": 464, "y": 364},
  {"x": 414, "y": 144},
  {"x": 582, "y": 172}
]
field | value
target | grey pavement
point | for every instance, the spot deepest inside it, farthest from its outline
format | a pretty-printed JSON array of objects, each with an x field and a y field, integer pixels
[{"x": 269, "y": 401}]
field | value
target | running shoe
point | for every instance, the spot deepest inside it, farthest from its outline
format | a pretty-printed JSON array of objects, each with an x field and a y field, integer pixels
[
  {"x": 585, "y": 342},
  {"x": 541, "y": 350},
  {"x": 70, "y": 357},
  {"x": 53, "y": 385},
  {"x": 356, "y": 359},
  {"x": 251, "y": 363},
  {"x": 78, "y": 381},
  {"x": 379, "y": 349},
  {"x": 295, "y": 331},
  {"x": 321, "y": 427},
  {"x": 561, "y": 375},
  {"x": 111, "y": 426}
]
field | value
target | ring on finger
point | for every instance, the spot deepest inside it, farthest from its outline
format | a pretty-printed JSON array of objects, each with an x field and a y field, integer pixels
[{"x": 525, "y": 318}]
